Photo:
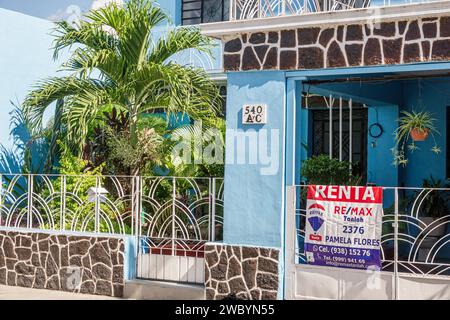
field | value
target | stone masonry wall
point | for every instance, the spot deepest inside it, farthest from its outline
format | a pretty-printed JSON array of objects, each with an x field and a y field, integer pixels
[
  {"x": 384, "y": 43},
  {"x": 90, "y": 265},
  {"x": 235, "y": 272}
]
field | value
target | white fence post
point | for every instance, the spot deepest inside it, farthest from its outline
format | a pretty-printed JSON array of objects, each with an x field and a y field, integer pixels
[
  {"x": 232, "y": 9},
  {"x": 97, "y": 205},
  {"x": 213, "y": 210},
  {"x": 62, "y": 218},
  {"x": 290, "y": 241},
  {"x": 396, "y": 280},
  {"x": 30, "y": 202},
  {"x": 174, "y": 195},
  {"x": 134, "y": 211},
  {"x": 136, "y": 218}
]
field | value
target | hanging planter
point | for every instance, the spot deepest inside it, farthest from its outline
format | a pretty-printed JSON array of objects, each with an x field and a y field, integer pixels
[
  {"x": 419, "y": 134},
  {"x": 416, "y": 126}
]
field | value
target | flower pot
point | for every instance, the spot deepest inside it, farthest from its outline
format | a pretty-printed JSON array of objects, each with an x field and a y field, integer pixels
[{"x": 419, "y": 135}]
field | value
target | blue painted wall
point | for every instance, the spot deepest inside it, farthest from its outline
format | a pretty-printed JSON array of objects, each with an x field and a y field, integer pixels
[
  {"x": 380, "y": 169},
  {"x": 377, "y": 94},
  {"x": 253, "y": 208},
  {"x": 432, "y": 95},
  {"x": 25, "y": 57},
  {"x": 130, "y": 262},
  {"x": 172, "y": 8}
]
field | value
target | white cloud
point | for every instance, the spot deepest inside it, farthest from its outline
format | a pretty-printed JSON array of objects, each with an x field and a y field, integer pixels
[
  {"x": 58, "y": 15},
  {"x": 71, "y": 13},
  {"x": 97, "y": 4}
]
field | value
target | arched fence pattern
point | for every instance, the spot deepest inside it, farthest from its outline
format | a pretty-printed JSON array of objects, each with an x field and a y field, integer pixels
[
  {"x": 415, "y": 230},
  {"x": 171, "y": 217}
]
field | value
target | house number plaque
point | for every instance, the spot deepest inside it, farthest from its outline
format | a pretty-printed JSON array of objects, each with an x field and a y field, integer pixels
[{"x": 254, "y": 114}]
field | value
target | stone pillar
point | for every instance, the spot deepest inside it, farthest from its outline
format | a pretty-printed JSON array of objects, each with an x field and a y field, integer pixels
[
  {"x": 241, "y": 272},
  {"x": 254, "y": 188}
]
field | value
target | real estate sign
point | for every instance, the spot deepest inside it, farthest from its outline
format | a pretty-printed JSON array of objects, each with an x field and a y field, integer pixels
[{"x": 343, "y": 226}]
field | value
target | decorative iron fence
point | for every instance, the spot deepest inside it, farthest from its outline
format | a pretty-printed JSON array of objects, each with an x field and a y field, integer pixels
[
  {"x": 253, "y": 9},
  {"x": 415, "y": 230},
  {"x": 169, "y": 216},
  {"x": 179, "y": 215}
]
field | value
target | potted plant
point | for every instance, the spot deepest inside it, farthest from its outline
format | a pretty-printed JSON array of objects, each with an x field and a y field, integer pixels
[{"x": 414, "y": 126}]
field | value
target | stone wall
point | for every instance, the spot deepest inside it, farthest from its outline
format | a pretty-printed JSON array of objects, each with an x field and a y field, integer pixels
[
  {"x": 384, "y": 43},
  {"x": 236, "y": 272},
  {"x": 92, "y": 265}
]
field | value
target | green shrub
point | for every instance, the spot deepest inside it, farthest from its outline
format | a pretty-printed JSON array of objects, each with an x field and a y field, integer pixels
[
  {"x": 78, "y": 180},
  {"x": 322, "y": 170}
]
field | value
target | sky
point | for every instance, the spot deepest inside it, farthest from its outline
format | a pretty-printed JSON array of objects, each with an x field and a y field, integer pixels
[{"x": 51, "y": 9}]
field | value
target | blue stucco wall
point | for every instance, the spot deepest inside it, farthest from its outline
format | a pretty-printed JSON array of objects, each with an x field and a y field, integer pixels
[
  {"x": 253, "y": 208},
  {"x": 431, "y": 95},
  {"x": 380, "y": 169},
  {"x": 172, "y": 8},
  {"x": 25, "y": 57},
  {"x": 129, "y": 264}
]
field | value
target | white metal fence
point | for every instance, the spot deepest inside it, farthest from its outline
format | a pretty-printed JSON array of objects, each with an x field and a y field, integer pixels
[
  {"x": 253, "y": 9},
  {"x": 169, "y": 216},
  {"x": 415, "y": 237}
]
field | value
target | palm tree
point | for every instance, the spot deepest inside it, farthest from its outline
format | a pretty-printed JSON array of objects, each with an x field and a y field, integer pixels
[{"x": 117, "y": 64}]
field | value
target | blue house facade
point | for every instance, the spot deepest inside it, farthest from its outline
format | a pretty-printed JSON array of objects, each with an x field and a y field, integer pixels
[{"x": 335, "y": 77}]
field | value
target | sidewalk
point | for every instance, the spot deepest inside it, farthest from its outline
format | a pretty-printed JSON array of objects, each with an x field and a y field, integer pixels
[{"x": 19, "y": 293}]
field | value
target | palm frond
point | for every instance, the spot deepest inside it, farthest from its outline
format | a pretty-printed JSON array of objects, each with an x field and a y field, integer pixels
[
  {"x": 56, "y": 131},
  {"x": 110, "y": 65},
  {"x": 183, "y": 90},
  {"x": 50, "y": 90},
  {"x": 87, "y": 34},
  {"x": 178, "y": 40}
]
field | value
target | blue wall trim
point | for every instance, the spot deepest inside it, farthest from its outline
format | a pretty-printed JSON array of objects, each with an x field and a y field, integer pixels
[
  {"x": 414, "y": 67},
  {"x": 129, "y": 263}
]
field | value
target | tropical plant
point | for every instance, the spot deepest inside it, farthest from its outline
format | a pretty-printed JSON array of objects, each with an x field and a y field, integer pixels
[
  {"x": 323, "y": 170},
  {"x": 195, "y": 150},
  {"x": 146, "y": 151},
  {"x": 96, "y": 149},
  {"x": 119, "y": 63},
  {"x": 412, "y": 122}
]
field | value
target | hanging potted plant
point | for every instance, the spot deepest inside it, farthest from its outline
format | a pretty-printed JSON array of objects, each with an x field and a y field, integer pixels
[{"x": 414, "y": 126}]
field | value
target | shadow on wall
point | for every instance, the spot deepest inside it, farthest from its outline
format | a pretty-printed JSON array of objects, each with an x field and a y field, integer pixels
[{"x": 28, "y": 151}]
